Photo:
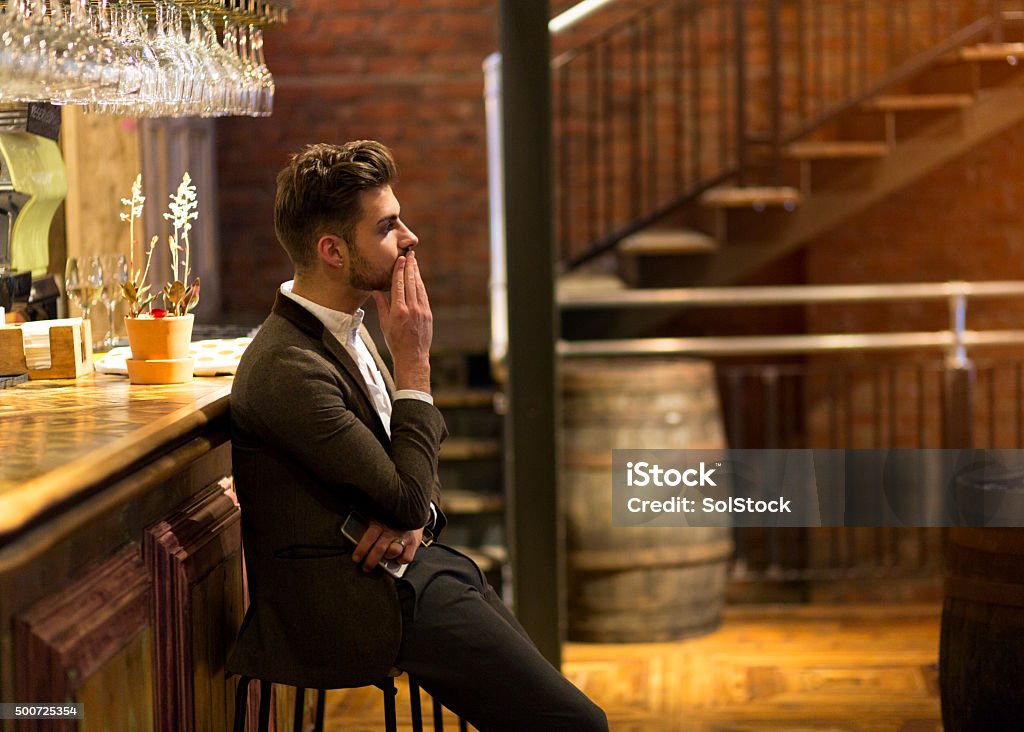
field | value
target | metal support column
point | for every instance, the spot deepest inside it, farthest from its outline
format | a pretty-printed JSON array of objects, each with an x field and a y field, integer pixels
[{"x": 530, "y": 449}]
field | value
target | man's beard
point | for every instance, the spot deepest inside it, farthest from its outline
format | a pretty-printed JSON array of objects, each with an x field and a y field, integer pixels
[{"x": 362, "y": 276}]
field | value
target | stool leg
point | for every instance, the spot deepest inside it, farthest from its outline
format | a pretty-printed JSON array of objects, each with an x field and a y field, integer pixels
[
  {"x": 438, "y": 716},
  {"x": 300, "y": 709},
  {"x": 265, "y": 687},
  {"x": 318, "y": 723},
  {"x": 414, "y": 705},
  {"x": 241, "y": 703},
  {"x": 390, "y": 720}
]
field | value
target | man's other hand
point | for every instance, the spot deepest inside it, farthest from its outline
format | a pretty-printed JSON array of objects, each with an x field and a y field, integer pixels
[{"x": 382, "y": 541}]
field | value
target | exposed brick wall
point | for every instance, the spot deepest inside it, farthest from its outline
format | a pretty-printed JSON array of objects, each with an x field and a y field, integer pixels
[
  {"x": 963, "y": 221},
  {"x": 406, "y": 72}
]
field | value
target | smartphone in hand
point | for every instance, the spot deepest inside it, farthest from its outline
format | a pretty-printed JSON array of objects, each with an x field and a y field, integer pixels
[{"x": 353, "y": 529}]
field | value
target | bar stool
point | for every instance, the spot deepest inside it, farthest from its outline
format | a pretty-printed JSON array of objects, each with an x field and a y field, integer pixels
[
  {"x": 417, "y": 721},
  {"x": 387, "y": 685}
]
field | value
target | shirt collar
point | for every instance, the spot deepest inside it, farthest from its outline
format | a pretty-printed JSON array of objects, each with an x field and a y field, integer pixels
[{"x": 343, "y": 326}]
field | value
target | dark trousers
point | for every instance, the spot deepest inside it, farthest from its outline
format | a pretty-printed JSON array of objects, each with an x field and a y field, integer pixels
[{"x": 468, "y": 651}]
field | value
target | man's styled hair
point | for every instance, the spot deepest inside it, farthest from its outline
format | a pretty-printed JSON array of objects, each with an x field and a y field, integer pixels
[{"x": 318, "y": 193}]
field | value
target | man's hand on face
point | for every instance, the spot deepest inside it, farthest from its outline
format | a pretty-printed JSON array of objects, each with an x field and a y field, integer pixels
[
  {"x": 408, "y": 324},
  {"x": 382, "y": 541}
]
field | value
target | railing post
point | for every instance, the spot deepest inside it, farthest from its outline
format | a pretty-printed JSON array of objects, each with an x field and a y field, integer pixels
[
  {"x": 958, "y": 387},
  {"x": 957, "y": 353},
  {"x": 997, "y": 21},
  {"x": 741, "y": 89},
  {"x": 775, "y": 53},
  {"x": 958, "y": 377}
]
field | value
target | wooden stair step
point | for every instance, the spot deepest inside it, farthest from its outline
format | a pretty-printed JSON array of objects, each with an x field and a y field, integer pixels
[
  {"x": 460, "y": 501},
  {"x": 837, "y": 150},
  {"x": 576, "y": 283},
  {"x": 488, "y": 558},
  {"x": 667, "y": 242},
  {"x": 462, "y": 398},
  {"x": 918, "y": 102},
  {"x": 992, "y": 52},
  {"x": 751, "y": 196},
  {"x": 470, "y": 448}
]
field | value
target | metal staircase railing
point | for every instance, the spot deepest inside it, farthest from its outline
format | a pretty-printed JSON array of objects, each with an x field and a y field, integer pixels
[{"x": 687, "y": 94}]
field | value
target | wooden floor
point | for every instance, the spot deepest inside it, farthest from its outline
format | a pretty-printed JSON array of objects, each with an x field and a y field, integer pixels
[{"x": 819, "y": 667}]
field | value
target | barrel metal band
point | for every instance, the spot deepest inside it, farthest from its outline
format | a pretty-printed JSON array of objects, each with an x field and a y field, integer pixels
[
  {"x": 985, "y": 591},
  {"x": 640, "y": 558}
]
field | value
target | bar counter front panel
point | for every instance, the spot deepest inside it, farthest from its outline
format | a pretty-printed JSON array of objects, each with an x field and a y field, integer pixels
[{"x": 120, "y": 552}]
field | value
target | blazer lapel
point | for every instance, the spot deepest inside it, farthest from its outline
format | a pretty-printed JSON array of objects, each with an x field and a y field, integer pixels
[
  {"x": 305, "y": 320},
  {"x": 381, "y": 366}
]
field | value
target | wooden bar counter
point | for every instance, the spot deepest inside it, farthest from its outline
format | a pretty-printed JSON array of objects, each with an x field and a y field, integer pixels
[{"x": 120, "y": 552}]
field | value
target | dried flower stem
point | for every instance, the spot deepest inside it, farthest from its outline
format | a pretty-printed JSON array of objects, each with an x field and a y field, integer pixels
[
  {"x": 182, "y": 211},
  {"x": 135, "y": 205},
  {"x": 180, "y": 295}
]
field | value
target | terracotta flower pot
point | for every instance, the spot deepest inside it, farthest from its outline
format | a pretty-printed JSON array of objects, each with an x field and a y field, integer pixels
[
  {"x": 157, "y": 339},
  {"x": 165, "y": 371},
  {"x": 160, "y": 353}
]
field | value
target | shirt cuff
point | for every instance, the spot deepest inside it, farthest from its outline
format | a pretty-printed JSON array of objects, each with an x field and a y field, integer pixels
[
  {"x": 414, "y": 394},
  {"x": 428, "y": 530}
]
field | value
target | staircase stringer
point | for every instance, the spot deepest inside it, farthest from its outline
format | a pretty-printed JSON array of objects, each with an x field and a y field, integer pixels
[{"x": 996, "y": 110}]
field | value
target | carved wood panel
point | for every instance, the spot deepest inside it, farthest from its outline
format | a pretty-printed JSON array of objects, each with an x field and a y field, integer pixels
[
  {"x": 195, "y": 559},
  {"x": 90, "y": 643}
]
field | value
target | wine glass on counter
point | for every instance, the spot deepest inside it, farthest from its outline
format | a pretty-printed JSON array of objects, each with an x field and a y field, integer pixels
[
  {"x": 115, "y": 274},
  {"x": 83, "y": 281}
]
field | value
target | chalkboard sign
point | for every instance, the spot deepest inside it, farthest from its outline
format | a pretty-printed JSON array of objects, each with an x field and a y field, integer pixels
[{"x": 43, "y": 120}]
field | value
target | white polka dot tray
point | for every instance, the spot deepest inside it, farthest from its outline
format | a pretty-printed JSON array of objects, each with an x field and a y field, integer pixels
[{"x": 212, "y": 357}]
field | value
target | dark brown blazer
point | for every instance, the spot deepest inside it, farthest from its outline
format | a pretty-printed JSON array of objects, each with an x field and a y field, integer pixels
[{"x": 308, "y": 447}]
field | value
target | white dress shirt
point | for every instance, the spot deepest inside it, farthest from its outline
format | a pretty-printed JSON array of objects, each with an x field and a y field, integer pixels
[{"x": 345, "y": 327}]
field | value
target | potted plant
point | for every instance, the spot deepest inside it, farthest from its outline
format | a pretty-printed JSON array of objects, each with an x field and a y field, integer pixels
[{"x": 159, "y": 337}]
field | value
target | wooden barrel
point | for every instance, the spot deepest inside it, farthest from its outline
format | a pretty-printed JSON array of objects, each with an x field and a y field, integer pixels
[
  {"x": 981, "y": 649},
  {"x": 635, "y": 584}
]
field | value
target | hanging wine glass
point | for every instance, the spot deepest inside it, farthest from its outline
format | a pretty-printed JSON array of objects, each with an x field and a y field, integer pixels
[
  {"x": 233, "y": 78},
  {"x": 23, "y": 53},
  {"x": 212, "y": 101},
  {"x": 195, "y": 73},
  {"x": 82, "y": 64},
  {"x": 120, "y": 70},
  {"x": 132, "y": 37},
  {"x": 174, "y": 67},
  {"x": 239, "y": 93},
  {"x": 265, "y": 104},
  {"x": 110, "y": 57}
]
